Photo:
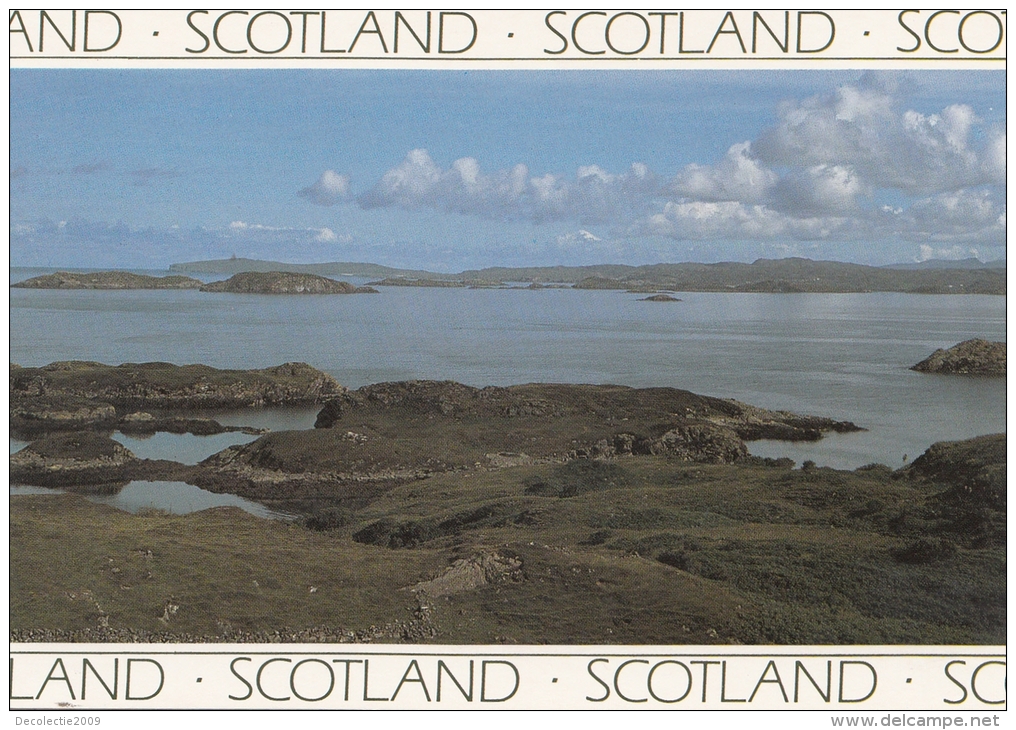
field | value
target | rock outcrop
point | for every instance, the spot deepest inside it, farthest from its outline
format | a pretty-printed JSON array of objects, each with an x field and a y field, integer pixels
[
  {"x": 90, "y": 396},
  {"x": 389, "y": 433},
  {"x": 281, "y": 282},
  {"x": 612, "y": 406},
  {"x": 974, "y": 470},
  {"x": 470, "y": 573},
  {"x": 69, "y": 459},
  {"x": 972, "y": 357}
]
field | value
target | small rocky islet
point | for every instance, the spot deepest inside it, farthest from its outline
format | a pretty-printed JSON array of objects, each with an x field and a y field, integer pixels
[{"x": 976, "y": 357}]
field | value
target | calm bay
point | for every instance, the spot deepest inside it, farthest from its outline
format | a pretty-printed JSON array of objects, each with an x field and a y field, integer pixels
[{"x": 845, "y": 356}]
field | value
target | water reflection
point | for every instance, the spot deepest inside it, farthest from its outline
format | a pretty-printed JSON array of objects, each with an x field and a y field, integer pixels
[
  {"x": 178, "y": 498},
  {"x": 185, "y": 448},
  {"x": 290, "y": 418}
]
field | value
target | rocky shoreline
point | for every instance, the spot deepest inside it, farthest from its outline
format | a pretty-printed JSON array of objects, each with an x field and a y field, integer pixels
[
  {"x": 365, "y": 441},
  {"x": 151, "y": 397}
]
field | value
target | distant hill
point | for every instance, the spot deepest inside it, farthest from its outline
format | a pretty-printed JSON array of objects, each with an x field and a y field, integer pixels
[
  {"x": 788, "y": 275},
  {"x": 335, "y": 268},
  {"x": 970, "y": 263},
  {"x": 805, "y": 275},
  {"x": 564, "y": 274},
  {"x": 765, "y": 275}
]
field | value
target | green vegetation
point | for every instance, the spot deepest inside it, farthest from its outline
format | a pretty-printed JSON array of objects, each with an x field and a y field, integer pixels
[{"x": 636, "y": 549}]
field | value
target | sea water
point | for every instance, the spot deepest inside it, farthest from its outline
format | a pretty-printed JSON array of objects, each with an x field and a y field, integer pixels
[{"x": 844, "y": 356}]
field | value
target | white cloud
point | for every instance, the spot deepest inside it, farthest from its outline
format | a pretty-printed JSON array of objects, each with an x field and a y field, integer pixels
[
  {"x": 863, "y": 129},
  {"x": 820, "y": 189},
  {"x": 241, "y": 230},
  {"x": 736, "y": 221},
  {"x": 418, "y": 182},
  {"x": 818, "y": 174},
  {"x": 330, "y": 189},
  {"x": 850, "y": 165},
  {"x": 580, "y": 236},
  {"x": 964, "y": 216},
  {"x": 993, "y": 159},
  {"x": 954, "y": 253},
  {"x": 737, "y": 176},
  {"x": 594, "y": 194}
]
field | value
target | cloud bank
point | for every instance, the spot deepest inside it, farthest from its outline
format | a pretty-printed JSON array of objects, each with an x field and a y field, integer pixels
[{"x": 851, "y": 165}]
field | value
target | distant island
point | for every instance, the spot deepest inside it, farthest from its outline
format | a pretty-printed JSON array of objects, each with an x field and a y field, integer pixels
[
  {"x": 107, "y": 280},
  {"x": 405, "y": 281},
  {"x": 271, "y": 282},
  {"x": 660, "y": 298},
  {"x": 790, "y": 275},
  {"x": 771, "y": 276},
  {"x": 335, "y": 268},
  {"x": 279, "y": 282},
  {"x": 972, "y": 357},
  {"x": 442, "y": 283}
]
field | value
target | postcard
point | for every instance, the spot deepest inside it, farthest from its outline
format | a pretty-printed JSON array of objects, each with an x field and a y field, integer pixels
[{"x": 545, "y": 359}]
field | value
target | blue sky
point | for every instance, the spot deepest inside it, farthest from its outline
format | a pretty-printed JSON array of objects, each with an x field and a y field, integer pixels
[{"x": 454, "y": 170}]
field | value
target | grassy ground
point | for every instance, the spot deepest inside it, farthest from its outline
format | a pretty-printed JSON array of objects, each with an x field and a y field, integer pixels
[{"x": 635, "y": 550}]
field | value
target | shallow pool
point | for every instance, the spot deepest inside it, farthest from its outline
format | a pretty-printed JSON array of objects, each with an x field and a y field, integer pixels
[{"x": 178, "y": 498}]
